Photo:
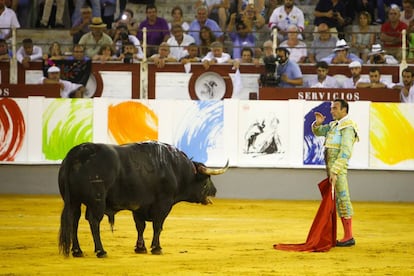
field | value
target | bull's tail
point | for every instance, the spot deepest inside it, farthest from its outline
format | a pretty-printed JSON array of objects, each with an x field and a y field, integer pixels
[
  {"x": 66, "y": 218},
  {"x": 65, "y": 231}
]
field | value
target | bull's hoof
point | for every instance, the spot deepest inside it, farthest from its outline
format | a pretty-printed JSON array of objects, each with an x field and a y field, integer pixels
[
  {"x": 141, "y": 250},
  {"x": 101, "y": 254},
  {"x": 156, "y": 251},
  {"x": 77, "y": 253}
]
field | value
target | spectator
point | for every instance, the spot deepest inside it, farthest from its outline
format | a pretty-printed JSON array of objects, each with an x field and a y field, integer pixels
[
  {"x": 67, "y": 89},
  {"x": 25, "y": 11},
  {"x": 163, "y": 56},
  {"x": 127, "y": 18},
  {"x": 47, "y": 9},
  {"x": 28, "y": 52},
  {"x": 341, "y": 54},
  {"x": 322, "y": 79},
  {"x": 246, "y": 57},
  {"x": 375, "y": 80},
  {"x": 391, "y": 32},
  {"x": 179, "y": 41},
  {"x": 270, "y": 6},
  {"x": 96, "y": 9},
  {"x": 122, "y": 36},
  {"x": 55, "y": 53},
  {"x": 322, "y": 44},
  {"x": 382, "y": 5},
  {"x": 407, "y": 15},
  {"x": 108, "y": 9},
  {"x": 206, "y": 37},
  {"x": 8, "y": 20},
  {"x": 202, "y": 21},
  {"x": 157, "y": 29},
  {"x": 177, "y": 18},
  {"x": 297, "y": 48},
  {"x": 284, "y": 16},
  {"x": 193, "y": 54},
  {"x": 257, "y": 5},
  {"x": 363, "y": 36},
  {"x": 94, "y": 39},
  {"x": 78, "y": 70},
  {"x": 4, "y": 50},
  {"x": 355, "y": 78},
  {"x": 242, "y": 37},
  {"x": 122, "y": 6},
  {"x": 255, "y": 21},
  {"x": 378, "y": 56},
  {"x": 106, "y": 53},
  {"x": 215, "y": 56},
  {"x": 218, "y": 11},
  {"x": 129, "y": 54},
  {"x": 267, "y": 51},
  {"x": 410, "y": 41},
  {"x": 332, "y": 13},
  {"x": 406, "y": 87},
  {"x": 287, "y": 71},
  {"x": 81, "y": 27},
  {"x": 78, "y": 53},
  {"x": 366, "y": 6}
]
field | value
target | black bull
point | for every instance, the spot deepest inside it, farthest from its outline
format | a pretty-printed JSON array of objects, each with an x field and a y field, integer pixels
[{"x": 147, "y": 178}]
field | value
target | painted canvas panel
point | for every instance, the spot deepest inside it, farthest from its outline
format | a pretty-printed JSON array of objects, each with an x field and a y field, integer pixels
[
  {"x": 313, "y": 146},
  {"x": 198, "y": 131},
  {"x": 263, "y": 133},
  {"x": 132, "y": 121},
  {"x": 392, "y": 136},
  {"x": 66, "y": 123},
  {"x": 13, "y": 129}
]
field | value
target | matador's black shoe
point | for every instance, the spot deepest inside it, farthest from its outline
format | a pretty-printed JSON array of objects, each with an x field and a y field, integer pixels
[{"x": 348, "y": 243}]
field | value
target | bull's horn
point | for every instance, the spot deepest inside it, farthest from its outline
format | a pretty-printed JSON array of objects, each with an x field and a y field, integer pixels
[{"x": 211, "y": 171}]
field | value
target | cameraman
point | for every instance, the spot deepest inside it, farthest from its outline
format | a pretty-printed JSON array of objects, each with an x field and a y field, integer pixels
[
  {"x": 287, "y": 71},
  {"x": 378, "y": 56},
  {"x": 122, "y": 37}
]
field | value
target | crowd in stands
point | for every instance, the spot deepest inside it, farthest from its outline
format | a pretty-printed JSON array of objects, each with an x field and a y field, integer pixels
[{"x": 223, "y": 31}]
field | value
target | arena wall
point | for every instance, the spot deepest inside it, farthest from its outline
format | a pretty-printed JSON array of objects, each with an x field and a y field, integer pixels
[{"x": 242, "y": 183}]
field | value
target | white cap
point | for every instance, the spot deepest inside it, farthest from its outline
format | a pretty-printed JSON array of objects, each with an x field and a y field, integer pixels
[
  {"x": 355, "y": 64},
  {"x": 53, "y": 69}
]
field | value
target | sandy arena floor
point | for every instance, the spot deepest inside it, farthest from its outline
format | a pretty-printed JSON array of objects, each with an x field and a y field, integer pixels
[{"x": 230, "y": 237}]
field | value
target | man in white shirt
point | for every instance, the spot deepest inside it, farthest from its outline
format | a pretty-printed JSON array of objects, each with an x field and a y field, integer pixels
[
  {"x": 322, "y": 79},
  {"x": 406, "y": 87},
  {"x": 378, "y": 56},
  {"x": 179, "y": 42},
  {"x": 28, "y": 52},
  {"x": 67, "y": 89},
  {"x": 284, "y": 16},
  {"x": 355, "y": 78},
  {"x": 375, "y": 80},
  {"x": 216, "y": 55},
  {"x": 8, "y": 19}
]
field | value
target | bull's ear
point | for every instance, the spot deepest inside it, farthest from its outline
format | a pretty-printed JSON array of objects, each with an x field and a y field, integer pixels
[{"x": 210, "y": 171}]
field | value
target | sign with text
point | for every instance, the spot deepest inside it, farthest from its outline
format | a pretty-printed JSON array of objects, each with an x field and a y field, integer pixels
[{"x": 330, "y": 94}]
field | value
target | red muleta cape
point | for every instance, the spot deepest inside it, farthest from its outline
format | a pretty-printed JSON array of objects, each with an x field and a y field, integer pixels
[{"x": 322, "y": 235}]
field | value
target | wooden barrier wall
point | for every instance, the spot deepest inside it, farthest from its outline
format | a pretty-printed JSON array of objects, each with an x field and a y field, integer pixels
[{"x": 380, "y": 95}]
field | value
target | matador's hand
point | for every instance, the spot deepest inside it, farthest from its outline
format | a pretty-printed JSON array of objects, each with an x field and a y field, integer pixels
[
  {"x": 319, "y": 118},
  {"x": 333, "y": 178}
]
